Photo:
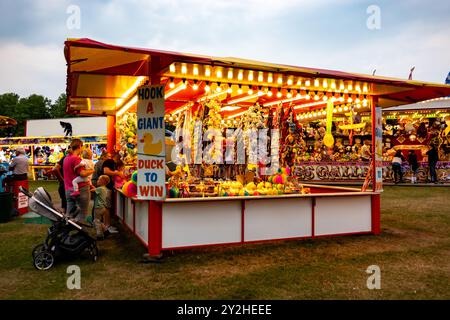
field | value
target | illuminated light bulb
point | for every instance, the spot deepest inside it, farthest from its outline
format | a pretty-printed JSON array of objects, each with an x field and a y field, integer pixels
[
  {"x": 171, "y": 85},
  {"x": 340, "y": 109},
  {"x": 333, "y": 85},
  {"x": 345, "y": 108},
  {"x": 333, "y": 99},
  {"x": 235, "y": 122},
  {"x": 298, "y": 95},
  {"x": 325, "y": 98},
  {"x": 307, "y": 97},
  {"x": 269, "y": 93},
  {"x": 207, "y": 72},
  {"x": 357, "y": 100},
  {"x": 230, "y": 74},
  {"x": 325, "y": 84},
  {"x": 250, "y": 76},
  {"x": 310, "y": 115},
  {"x": 195, "y": 86},
  {"x": 260, "y": 92},
  {"x": 316, "y": 97},
  {"x": 239, "y": 90},
  {"x": 260, "y": 77},
  {"x": 279, "y": 94},
  {"x": 315, "y": 114},
  {"x": 365, "y": 103},
  {"x": 290, "y": 82},
  {"x": 299, "y": 82},
  {"x": 184, "y": 85},
  {"x": 316, "y": 83},
  {"x": 229, "y": 90},
  {"x": 183, "y": 69},
  {"x": 240, "y": 75},
  {"x": 195, "y": 71},
  {"x": 270, "y": 78},
  {"x": 358, "y": 106},
  {"x": 289, "y": 95},
  {"x": 341, "y": 87},
  {"x": 170, "y": 118},
  {"x": 219, "y": 73},
  {"x": 301, "y": 116},
  {"x": 207, "y": 88},
  {"x": 341, "y": 99},
  {"x": 324, "y": 113},
  {"x": 307, "y": 83},
  {"x": 250, "y": 91},
  {"x": 365, "y": 89},
  {"x": 280, "y": 80},
  {"x": 358, "y": 88},
  {"x": 219, "y": 88},
  {"x": 350, "y": 99},
  {"x": 350, "y": 87},
  {"x": 334, "y": 110},
  {"x": 345, "y": 91},
  {"x": 172, "y": 67},
  {"x": 222, "y": 122}
]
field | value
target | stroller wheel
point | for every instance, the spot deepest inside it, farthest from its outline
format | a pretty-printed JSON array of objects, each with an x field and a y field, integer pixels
[
  {"x": 38, "y": 249},
  {"x": 93, "y": 252},
  {"x": 43, "y": 260}
]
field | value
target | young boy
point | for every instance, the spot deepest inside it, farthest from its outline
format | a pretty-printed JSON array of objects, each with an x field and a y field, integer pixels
[
  {"x": 88, "y": 164},
  {"x": 102, "y": 205}
]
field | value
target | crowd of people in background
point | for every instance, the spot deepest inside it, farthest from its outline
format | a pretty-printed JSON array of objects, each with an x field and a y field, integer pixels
[
  {"x": 79, "y": 180},
  {"x": 399, "y": 159}
]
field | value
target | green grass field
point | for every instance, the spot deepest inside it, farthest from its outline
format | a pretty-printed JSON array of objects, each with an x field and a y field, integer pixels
[{"x": 412, "y": 252}]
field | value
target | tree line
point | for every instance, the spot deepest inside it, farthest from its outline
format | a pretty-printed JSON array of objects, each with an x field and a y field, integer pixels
[{"x": 32, "y": 107}]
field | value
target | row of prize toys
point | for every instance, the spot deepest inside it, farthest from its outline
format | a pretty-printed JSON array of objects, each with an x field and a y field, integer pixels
[
  {"x": 127, "y": 127},
  {"x": 240, "y": 180}
]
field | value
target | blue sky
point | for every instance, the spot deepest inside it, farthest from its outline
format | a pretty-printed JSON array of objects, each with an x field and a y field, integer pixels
[{"x": 329, "y": 34}]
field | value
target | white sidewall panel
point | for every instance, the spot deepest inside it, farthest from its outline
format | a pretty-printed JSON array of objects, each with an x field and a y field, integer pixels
[
  {"x": 337, "y": 215},
  {"x": 141, "y": 216},
  {"x": 128, "y": 214},
  {"x": 201, "y": 223},
  {"x": 277, "y": 219},
  {"x": 119, "y": 204}
]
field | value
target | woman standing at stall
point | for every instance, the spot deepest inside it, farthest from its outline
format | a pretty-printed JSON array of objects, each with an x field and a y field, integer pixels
[
  {"x": 70, "y": 162},
  {"x": 433, "y": 158},
  {"x": 414, "y": 164},
  {"x": 397, "y": 167}
]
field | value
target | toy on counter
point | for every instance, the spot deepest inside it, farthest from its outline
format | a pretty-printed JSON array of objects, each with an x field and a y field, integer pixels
[{"x": 129, "y": 188}]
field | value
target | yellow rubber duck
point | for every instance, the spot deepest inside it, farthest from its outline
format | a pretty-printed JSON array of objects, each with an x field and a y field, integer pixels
[{"x": 151, "y": 148}]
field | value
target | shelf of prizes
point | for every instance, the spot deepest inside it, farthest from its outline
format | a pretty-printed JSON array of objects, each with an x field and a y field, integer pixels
[
  {"x": 216, "y": 143},
  {"x": 44, "y": 152}
]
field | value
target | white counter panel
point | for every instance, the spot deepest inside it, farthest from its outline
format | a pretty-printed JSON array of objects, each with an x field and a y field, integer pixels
[
  {"x": 200, "y": 223},
  {"x": 277, "y": 219},
  {"x": 338, "y": 215}
]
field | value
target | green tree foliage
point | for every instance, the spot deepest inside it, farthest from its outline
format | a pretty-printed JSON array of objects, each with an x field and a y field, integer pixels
[
  {"x": 32, "y": 107},
  {"x": 58, "y": 108}
]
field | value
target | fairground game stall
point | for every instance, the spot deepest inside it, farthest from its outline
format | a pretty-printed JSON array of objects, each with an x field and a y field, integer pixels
[{"x": 232, "y": 173}]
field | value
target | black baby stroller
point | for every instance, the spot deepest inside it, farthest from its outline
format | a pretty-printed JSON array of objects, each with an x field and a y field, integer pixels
[{"x": 66, "y": 237}]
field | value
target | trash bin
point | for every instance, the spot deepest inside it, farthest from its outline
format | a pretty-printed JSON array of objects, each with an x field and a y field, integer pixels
[{"x": 6, "y": 206}]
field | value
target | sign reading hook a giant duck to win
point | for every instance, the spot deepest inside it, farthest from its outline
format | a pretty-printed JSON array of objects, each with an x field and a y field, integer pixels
[{"x": 151, "y": 148}]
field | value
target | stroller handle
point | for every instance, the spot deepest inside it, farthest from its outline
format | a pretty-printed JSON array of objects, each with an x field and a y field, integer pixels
[{"x": 25, "y": 192}]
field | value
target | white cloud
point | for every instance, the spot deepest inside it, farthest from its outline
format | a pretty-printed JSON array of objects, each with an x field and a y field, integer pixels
[{"x": 32, "y": 69}]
